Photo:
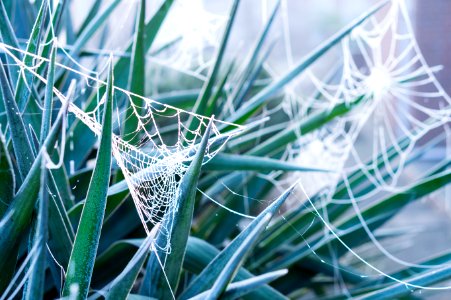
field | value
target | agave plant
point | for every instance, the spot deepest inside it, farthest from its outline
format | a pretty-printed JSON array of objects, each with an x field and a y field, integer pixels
[{"x": 121, "y": 180}]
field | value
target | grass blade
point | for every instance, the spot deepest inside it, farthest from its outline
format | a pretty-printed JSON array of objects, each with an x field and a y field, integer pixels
[
  {"x": 7, "y": 181},
  {"x": 239, "y": 289},
  {"x": 35, "y": 284},
  {"x": 237, "y": 259},
  {"x": 22, "y": 94},
  {"x": 201, "y": 105},
  {"x": 136, "y": 82},
  {"x": 251, "y": 64},
  {"x": 81, "y": 262},
  {"x": 48, "y": 98},
  {"x": 92, "y": 12},
  {"x": 8, "y": 37},
  {"x": 207, "y": 89},
  {"x": 17, "y": 217},
  {"x": 234, "y": 162},
  {"x": 122, "y": 285},
  {"x": 402, "y": 289},
  {"x": 20, "y": 140}
]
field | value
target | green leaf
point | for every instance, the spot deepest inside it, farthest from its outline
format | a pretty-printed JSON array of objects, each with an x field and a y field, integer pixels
[
  {"x": 57, "y": 13},
  {"x": 17, "y": 217},
  {"x": 116, "y": 196},
  {"x": 136, "y": 82},
  {"x": 234, "y": 162},
  {"x": 213, "y": 103},
  {"x": 256, "y": 101},
  {"x": 184, "y": 99},
  {"x": 9, "y": 38},
  {"x": 121, "y": 251},
  {"x": 48, "y": 98},
  {"x": 387, "y": 281},
  {"x": 139, "y": 297},
  {"x": 7, "y": 180},
  {"x": 22, "y": 94},
  {"x": 206, "y": 279},
  {"x": 179, "y": 225},
  {"x": 20, "y": 140},
  {"x": 237, "y": 259},
  {"x": 122, "y": 284},
  {"x": 61, "y": 183},
  {"x": 405, "y": 288},
  {"x": 199, "y": 254},
  {"x": 239, "y": 289},
  {"x": 35, "y": 283},
  {"x": 81, "y": 263}
]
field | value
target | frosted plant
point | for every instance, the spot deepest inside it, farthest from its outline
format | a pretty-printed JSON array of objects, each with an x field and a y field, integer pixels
[
  {"x": 151, "y": 160},
  {"x": 383, "y": 64},
  {"x": 396, "y": 102},
  {"x": 381, "y": 73}
]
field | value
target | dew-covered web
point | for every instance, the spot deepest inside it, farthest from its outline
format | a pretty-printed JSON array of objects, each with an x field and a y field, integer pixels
[
  {"x": 383, "y": 64},
  {"x": 395, "y": 103},
  {"x": 381, "y": 73},
  {"x": 155, "y": 155}
]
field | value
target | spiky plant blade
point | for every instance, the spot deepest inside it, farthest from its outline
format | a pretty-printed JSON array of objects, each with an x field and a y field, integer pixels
[
  {"x": 206, "y": 279},
  {"x": 17, "y": 217},
  {"x": 35, "y": 284},
  {"x": 81, "y": 263},
  {"x": 237, "y": 259},
  {"x": 7, "y": 181},
  {"x": 238, "y": 289},
  {"x": 20, "y": 140},
  {"x": 48, "y": 98},
  {"x": 235, "y": 162},
  {"x": 122, "y": 284},
  {"x": 136, "y": 80}
]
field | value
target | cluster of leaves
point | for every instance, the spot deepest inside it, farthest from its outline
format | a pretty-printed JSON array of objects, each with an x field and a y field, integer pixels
[{"x": 79, "y": 235}]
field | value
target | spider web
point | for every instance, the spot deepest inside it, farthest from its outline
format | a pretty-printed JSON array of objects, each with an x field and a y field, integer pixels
[
  {"x": 155, "y": 156},
  {"x": 382, "y": 63},
  {"x": 396, "y": 102}
]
